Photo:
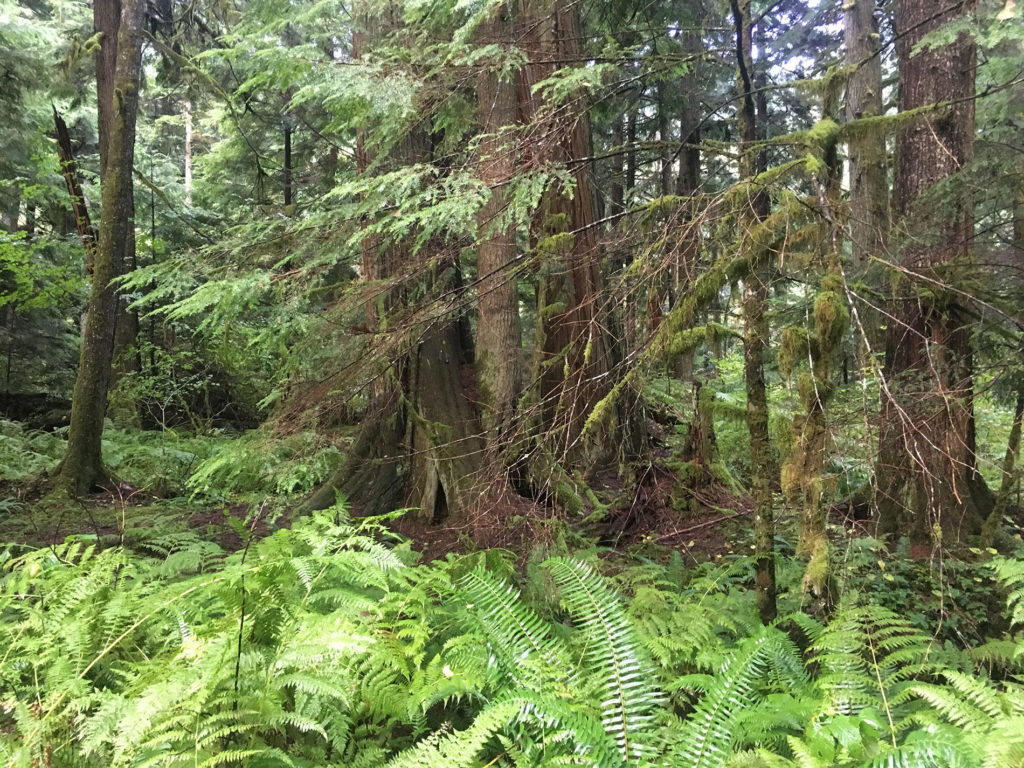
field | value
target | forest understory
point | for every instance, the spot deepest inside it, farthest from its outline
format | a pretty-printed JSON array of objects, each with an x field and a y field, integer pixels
[{"x": 436, "y": 384}]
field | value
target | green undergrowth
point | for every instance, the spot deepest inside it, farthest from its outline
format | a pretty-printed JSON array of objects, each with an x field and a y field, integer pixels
[
  {"x": 158, "y": 462},
  {"x": 167, "y": 463},
  {"x": 331, "y": 644}
]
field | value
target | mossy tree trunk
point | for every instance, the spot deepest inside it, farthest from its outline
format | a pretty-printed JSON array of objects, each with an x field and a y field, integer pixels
[
  {"x": 928, "y": 484},
  {"x": 688, "y": 182},
  {"x": 755, "y": 327},
  {"x": 107, "y": 16},
  {"x": 69, "y": 170},
  {"x": 82, "y": 468}
]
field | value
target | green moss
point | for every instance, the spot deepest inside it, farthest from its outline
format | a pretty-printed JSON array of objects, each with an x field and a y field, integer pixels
[
  {"x": 567, "y": 497},
  {"x": 817, "y": 573}
]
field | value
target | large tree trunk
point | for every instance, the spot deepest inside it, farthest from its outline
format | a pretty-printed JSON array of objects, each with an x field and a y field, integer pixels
[
  {"x": 928, "y": 483},
  {"x": 419, "y": 416},
  {"x": 82, "y": 468},
  {"x": 869, "y": 189},
  {"x": 755, "y": 329},
  {"x": 575, "y": 356},
  {"x": 499, "y": 337}
]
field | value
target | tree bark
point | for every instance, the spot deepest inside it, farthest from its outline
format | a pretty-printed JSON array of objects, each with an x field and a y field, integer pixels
[
  {"x": 755, "y": 329},
  {"x": 869, "y": 188},
  {"x": 499, "y": 336},
  {"x": 82, "y": 468},
  {"x": 575, "y": 358},
  {"x": 186, "y": 110},
  {"x": 928, "y": 484},
  {"x": 688, "y": 181}
]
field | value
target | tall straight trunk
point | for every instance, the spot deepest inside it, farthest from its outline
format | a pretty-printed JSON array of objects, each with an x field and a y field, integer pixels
[
  {"x": 755, "y": 328},
  {"x": 575, "y": 357},
  {"x": 287, "y": 165},
  {"x": 631, "y": 154},
  {"x": 869, "y": 189},
  {"x": 689, "y": 180},
  {"x": 106, "y": 16},
  {"x": 618, "y": 197},
  {"x": 82, "y": 468},
  {"x": 107, "y": 19},
  {"x": 499, "y": 336},
  {"x": 664, "y": 137},
  {"x": 928, "y": 483}
]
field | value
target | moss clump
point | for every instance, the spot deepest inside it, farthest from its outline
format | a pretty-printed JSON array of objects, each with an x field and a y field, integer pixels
[
  {"x": 793, "y": 347},
  {"x": 790, "y": 479},
  {"x": 567, "y": 497},
  {"x": 817, "y": 573},
  {"x": 831, "y": 318}
]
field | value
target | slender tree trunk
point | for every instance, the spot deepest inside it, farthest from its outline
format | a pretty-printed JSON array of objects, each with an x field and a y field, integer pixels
[
  {"x": 618, "y": 198},
  {"x": 869, "y": 188},
  {"x": 287, "y": 165},
  {"x": 664, "y": 137},
  {"x": 186, "y": 109},
  {"x": 82, "y": 468},
  {"x": 107, "y": 18},
  {"x": 928, "y": 483},
  {"x": 755, "y": 330},
  {"x": 688, "y": 181}
]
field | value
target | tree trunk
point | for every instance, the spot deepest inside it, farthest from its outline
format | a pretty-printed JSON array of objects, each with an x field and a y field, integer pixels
[
  {"x": 107, "y": 18},
  {"x": 499, "y": 337},
  {"x": 287, "y": 166},
  {"x": 186, "y": 110},
  {"x": 575, "y": 358},
  {"x": 82, "y": 468},
  {"x": 618, "y": 198},
  {"x": 928, "y": 483},
  {"x": 420, "y": 417},
  {"x": 755, "y": 330},
  {"x": 869, "y": 189},
  {"x": 688, "y": 182}
]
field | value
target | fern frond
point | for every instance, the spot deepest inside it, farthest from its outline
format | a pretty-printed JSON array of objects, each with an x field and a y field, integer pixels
[
  {"x": 706, "y": 739},
  {"x": 613, "y": 655}
]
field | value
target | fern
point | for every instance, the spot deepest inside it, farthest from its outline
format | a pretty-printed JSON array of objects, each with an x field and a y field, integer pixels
[
  {"x": 707, "y": 737},
  {"x": 612, "y": 655}
]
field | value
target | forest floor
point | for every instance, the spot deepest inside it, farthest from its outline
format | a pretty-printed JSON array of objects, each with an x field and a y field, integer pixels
[{"x": 124, "y": 514}]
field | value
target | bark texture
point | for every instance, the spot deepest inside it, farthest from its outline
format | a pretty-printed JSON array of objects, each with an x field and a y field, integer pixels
[
  {"x": 69, "y": 170},
  {"x": 928, "y": 483},
  {"x": 82, "y": 468},
  {"x": 574, "y": 351},
  {"x": 869, "y": 188},
  {"x": 755, "y": 329},
  {"x": 499, "y": 335}
]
